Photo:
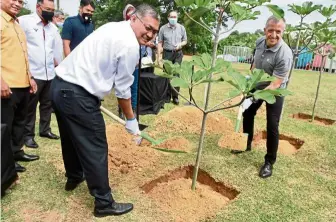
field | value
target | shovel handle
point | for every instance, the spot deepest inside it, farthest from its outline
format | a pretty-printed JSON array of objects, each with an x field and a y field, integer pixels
[{"x": 113, "y": 116}]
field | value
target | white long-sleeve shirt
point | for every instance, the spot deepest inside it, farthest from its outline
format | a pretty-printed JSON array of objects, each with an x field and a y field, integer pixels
[
  {"x": 41, "y": 46},
  {"x": 104, "y": 60},
  {"x": 58, "y": 52}
]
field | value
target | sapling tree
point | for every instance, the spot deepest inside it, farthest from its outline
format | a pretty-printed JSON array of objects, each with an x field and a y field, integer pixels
[{"x": 211, "y": 70}]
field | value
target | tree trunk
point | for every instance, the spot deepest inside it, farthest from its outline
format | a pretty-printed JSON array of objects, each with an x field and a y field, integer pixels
[
  {"x": 206, "y": 103},
  {"x": 318, "y": 87},
  {"x": 58, "y": 4}
]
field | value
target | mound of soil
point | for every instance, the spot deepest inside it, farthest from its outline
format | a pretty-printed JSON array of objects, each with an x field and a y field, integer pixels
[
  {"x": 124, "y": 154},
  {"x": 178, "y": 200},
  {"x": 233, "y": 140},
  {"x": 176, "y": 143},
  {"x": 189, "y": 119}
]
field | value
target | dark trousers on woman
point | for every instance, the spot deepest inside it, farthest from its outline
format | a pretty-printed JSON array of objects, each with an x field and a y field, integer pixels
[
  {"x": 273, "y": 112},
  {"x": 83, "y": 138}
]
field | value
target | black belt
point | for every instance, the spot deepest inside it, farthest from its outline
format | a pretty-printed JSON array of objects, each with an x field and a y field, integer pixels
[{"x": 172, "y": 50}]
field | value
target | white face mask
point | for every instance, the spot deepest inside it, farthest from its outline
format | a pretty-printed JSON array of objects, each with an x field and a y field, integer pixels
[
  {"x": 59, "y": 24},
  {"x": 172, "y": 21}
]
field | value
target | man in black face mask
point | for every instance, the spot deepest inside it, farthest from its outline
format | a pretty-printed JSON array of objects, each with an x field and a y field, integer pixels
[
  {"x": 77, "y": 28},
  {"x": 41, "y": 36}
]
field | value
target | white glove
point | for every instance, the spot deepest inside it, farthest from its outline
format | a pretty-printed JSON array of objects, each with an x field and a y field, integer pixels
[
  {"x": 247, "y": 103},
  {"x": 132, "y": 126}
]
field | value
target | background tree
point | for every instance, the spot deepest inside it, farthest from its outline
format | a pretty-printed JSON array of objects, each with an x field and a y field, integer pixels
[{"x": 24, "y": 10}]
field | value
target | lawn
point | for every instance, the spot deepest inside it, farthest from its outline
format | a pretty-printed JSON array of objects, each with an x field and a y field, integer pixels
[{"x": 303, "y": 187}]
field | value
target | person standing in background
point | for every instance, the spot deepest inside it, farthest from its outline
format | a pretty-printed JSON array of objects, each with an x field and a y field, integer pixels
[
  {"x": 41, "y": 41},
  {"x": 58, "y": 21},
  {"x": 172, "y": 37},
  {"x": 16, "y": 80},
  {"x": 77, "y": 28}
]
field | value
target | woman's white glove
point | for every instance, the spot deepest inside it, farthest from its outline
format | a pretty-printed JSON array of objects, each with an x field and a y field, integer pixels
[{"x": 132, "y": 126}]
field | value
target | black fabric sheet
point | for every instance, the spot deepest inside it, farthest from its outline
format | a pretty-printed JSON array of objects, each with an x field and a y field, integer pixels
[
  {"x": 8, "y": 173},
  {"x": 154, "y": 93}
]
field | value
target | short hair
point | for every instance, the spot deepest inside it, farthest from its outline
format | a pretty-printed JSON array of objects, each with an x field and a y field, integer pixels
[
  {"x": 172, "y": 12},
  {"x": 57, "y": 13},
  {"x": 275, "y": 20},
  {"x": 147, "y": 10},
  {"x": 86, "y": 3},
  {"x": 41, "y": 1}
]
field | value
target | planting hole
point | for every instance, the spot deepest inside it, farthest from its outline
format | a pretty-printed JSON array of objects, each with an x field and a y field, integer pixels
[
  {"x": 173, "y": 194},
  {"x": 320, "y": 120},
  {"x": 288, "y": 145}
]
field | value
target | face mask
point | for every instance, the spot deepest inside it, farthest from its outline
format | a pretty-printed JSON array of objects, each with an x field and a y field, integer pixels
[
  {"x": 87, "y": 17},
  {"x": 47, "y": 16},
  {"x": 59, "y": 24},
  {"x": 172, "y": 21}
]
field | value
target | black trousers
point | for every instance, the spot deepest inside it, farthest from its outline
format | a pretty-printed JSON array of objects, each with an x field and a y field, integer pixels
[
  {"x": 42, "y": 96},
  {"x": 13, "y": 114},
  {"x": 273, "y": 112},
  {"x": 83, "y": 138},
  {"x": 173, "y": 56}
]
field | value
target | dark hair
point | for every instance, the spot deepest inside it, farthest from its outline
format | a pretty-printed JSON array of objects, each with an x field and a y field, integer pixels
[
  {"x": 147, "y": 10},
  {"x": 86, "y": 3},
  {"x": 41, "y": 1}
]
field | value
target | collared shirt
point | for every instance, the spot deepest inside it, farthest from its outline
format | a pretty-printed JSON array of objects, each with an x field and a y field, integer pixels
[
  {"x": 14, "y": 59},
  {"x": 105, "y": 59},
  {"x": 276, "y": 61},
  {"x": 172, "y": 35},
  {"x": 41, "y": 42},
  {"x": 75, "y": 30},
  {"x": 58, "y": 52}
]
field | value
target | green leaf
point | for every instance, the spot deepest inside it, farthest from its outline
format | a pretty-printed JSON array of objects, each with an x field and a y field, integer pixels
[
  {"x": 234, "y": 93},
  {"x": 184, "y": 2},
  {"x": 185, "y": 70},
  {"x": 178, "y": 82},
  {"x": 206, "y": 58},
  {"x": 264, "y": 95},
  {"x": 277, "y": 11},
  {"x": 195, "y": 14},
  {"x": 199, "y": 75},
  {"x": 238, "y": 79},
  {"x": 237, "y": 11},
  {"x": 202, "y": 3}
]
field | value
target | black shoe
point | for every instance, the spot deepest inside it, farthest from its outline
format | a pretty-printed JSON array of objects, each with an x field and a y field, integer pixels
[
  {"x": 240, "y": 151},
  {"x": 19, "y": 168},
  {"x": 114, "y": 209},
  {"x": 176, "y": 101},
  {"x": 266, "y": 170},
  {"x": 22, "y": 156},
  {"x": 49, "y": 135},
  {"x": 31, "y": 143},
  {"x": 71, "y": 185}
]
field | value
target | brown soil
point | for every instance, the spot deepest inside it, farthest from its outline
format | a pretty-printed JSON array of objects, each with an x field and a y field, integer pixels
[
  {"x": 288, "y": 145},
  {"x": 32, "y": 214},
  {"x": 233, "y": 140},
  {"x": 318, "y": 120},
  {"x": 173, "y": 190},
  {"x": 124, "y": 154},
  {"x": 188, "y": 119},
  {"x": 176, "y": 143}
]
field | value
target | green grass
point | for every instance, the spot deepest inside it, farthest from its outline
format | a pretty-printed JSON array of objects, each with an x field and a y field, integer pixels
[{"x": 303, "y": 187}]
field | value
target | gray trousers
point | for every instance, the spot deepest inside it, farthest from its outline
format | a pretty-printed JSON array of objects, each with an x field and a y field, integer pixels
[{"x": 173, "y": 56}]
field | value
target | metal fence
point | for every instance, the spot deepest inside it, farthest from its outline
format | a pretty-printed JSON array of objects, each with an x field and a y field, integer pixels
[{"x": 305, "y": 61}]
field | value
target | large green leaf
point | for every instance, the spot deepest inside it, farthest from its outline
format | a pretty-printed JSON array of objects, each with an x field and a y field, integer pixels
[
  {"x": 206, "y": 58},
  {"x": 196, "y": 14},
  {"x": 238, "y": 79},
  {"x": 304, "y": 10},
  {"x": 178, "y": 82},
  {"x": 327, "y": 11},
  {"x": 238, "y": 12},
  {"x": 199, "y": 75},
  {"x": 202, "y": 3},
  {"x": 264, "y": 95},
  {"x": 276, "y": 11},
  {"x": 185, "y": 70},
  {"x": 184, "y": 2},
  {"x": 234, "y": 93}
]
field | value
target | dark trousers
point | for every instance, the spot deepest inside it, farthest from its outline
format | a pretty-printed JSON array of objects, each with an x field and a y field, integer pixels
[
  {"x": 13, "y": 114},
  {"x": 42, "y": 96},
  {"x": 173, "y": 56},
  {"x": 273, "y": 116},
  {"x": 83, "y": 138}
]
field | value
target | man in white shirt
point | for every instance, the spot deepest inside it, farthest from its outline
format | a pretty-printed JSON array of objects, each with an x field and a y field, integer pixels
[
  {"x": 41, "y": 38},
  {"x": 104, "y": 60}
]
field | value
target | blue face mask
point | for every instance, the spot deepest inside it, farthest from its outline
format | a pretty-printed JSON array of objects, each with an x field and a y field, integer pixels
[
  {"x": 59, "y": 24},
  {"x": 172, "y": 21}
]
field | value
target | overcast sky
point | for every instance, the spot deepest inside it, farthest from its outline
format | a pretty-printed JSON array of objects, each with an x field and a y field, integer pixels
[{"x": 71, "y": 7}]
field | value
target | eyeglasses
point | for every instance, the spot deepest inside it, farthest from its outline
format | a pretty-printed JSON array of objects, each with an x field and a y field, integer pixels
[{"x": 148, "y": 27}]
